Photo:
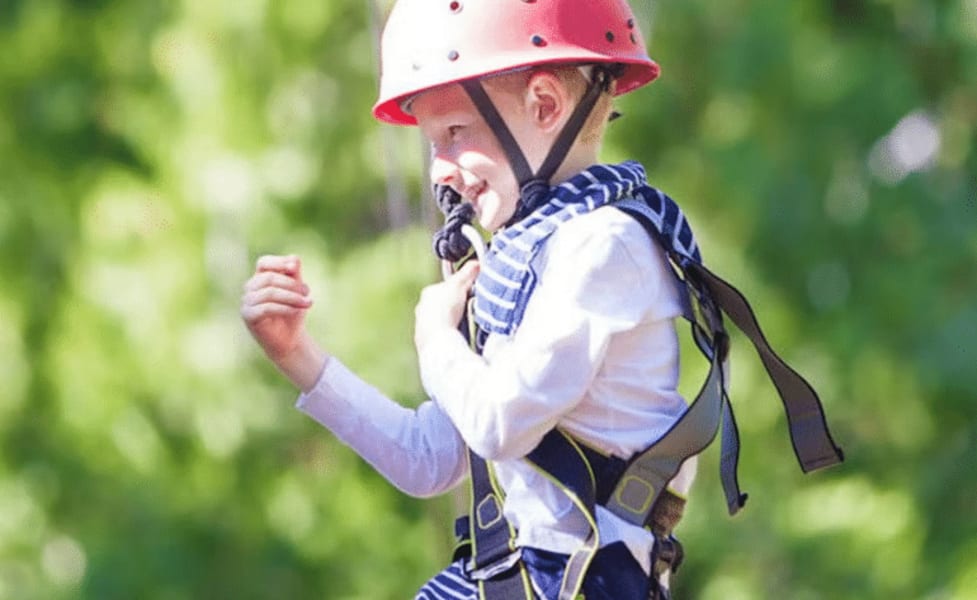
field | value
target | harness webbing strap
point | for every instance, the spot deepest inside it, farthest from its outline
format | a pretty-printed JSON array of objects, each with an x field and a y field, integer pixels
[
  {"x": 647, "y": 475},
  {"x": 710, "y": 336},
  {"x": 729, "y": 459},
  {"x": 809, "y": 434},
  {"x": 491, "y": 533},
  {"x": 562, "y": 461},
  {"x": 494, "y": 560},
  {"x": 608, "y": 469}
]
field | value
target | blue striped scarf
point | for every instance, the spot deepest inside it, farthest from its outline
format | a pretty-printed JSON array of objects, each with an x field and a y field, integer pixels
[{"x": 506, "y": 279}]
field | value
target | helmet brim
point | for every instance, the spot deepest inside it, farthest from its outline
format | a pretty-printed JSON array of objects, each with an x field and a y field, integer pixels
[{"x": 636, "y": 73}]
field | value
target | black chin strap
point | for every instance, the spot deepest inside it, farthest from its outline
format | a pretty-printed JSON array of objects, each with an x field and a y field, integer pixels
[{"x": 534, "y": 188}]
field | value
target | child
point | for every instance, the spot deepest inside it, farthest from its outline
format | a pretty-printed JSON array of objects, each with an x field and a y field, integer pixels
[{"x": 573, "y": 364}]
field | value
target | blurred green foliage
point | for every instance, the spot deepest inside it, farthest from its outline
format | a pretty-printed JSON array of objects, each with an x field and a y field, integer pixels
[{"x": 150, "y": 151}]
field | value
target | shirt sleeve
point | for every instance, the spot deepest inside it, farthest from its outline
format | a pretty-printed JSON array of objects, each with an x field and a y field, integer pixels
[
  {"x": 600, "y": 276},
  {"x": 419, "y": 451}
]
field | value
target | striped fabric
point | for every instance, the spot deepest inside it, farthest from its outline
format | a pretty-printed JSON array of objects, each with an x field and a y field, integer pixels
[
  {"x": 449, "y": 584},
  {"x": 506, "y": 280},
  {"x": 613, "y": 575}
]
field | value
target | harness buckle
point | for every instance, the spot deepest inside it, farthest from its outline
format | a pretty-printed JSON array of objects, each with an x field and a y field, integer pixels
[
  {"x": 669, "y": 555},
  {"x": 494, "y": 568}
]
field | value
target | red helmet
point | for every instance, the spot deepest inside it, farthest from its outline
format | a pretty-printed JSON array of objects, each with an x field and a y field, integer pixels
[{"x": 428, "y": 43}]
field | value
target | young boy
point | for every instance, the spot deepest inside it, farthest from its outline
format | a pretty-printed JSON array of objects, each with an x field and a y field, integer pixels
[{"x": 575, "y": 353}]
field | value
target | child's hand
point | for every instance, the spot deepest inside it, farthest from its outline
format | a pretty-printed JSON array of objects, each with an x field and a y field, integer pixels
[
  {"x": 442, "y": 305},
  {"x": 273, "y": 307}
]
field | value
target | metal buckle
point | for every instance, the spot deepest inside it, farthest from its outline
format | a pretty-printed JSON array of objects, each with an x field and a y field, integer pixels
[
  {"x": 491, "y": 570},
  {"x": 669, "y": 555}
]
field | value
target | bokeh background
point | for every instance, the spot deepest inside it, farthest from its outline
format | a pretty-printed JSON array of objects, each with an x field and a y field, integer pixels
[{"x": 151, "y": 151}]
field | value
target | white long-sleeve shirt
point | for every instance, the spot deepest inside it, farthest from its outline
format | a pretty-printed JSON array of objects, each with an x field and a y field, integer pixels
[{"x": 596, "y": 355}]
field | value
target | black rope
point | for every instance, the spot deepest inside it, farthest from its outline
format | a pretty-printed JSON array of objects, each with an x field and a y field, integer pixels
[{"x": 449, "y": 243}]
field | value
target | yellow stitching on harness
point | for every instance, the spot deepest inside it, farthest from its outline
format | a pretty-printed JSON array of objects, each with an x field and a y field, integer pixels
[
  {"x": 677, "y": 494},
  {"x": 583, "y": 457},
  {"x": 483, "y": 504},
  {"x": 632, "y": 487},
  {"x": 566, "y": 586}
]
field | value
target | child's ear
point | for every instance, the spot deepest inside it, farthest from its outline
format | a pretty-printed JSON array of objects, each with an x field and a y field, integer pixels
[{"x": 548, "y": 100}]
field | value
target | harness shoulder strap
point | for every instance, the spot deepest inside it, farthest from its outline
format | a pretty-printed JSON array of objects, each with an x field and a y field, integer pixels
[{"x": 648, "y": 473}]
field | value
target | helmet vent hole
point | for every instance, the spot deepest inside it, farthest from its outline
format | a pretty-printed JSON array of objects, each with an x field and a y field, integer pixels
[
  {"x": 453, "y": 55},
  {"x": 455, "y": 6},
  {"x": 538, "y": 40},
  {"x": 610, "y": 36}
]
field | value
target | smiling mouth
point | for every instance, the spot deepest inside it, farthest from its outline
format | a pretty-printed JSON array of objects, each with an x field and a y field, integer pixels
[{"x": 472, "y": 194}]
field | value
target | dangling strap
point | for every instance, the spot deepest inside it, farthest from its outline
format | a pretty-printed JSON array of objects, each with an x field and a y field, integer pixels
[
  {"x": 813, "y": 445},
  {"x": 812, "y": 441}
]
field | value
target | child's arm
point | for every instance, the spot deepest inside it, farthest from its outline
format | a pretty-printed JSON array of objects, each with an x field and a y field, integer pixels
[{"x": 418, "y": 451}]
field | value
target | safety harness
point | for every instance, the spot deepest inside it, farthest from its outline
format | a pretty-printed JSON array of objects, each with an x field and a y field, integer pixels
[{"x": 635, "y": 489}]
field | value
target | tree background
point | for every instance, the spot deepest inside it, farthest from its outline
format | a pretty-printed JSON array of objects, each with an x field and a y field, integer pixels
[{"x": 150, "y": 151}]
